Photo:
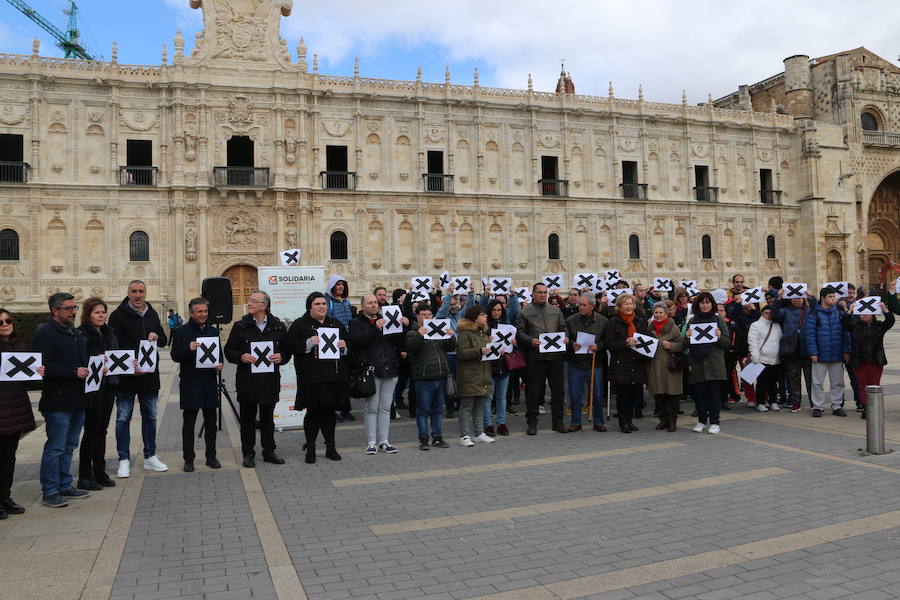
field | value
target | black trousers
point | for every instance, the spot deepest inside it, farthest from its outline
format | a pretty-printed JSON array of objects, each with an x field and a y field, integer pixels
[
  {"x": 319, "y": 419},
  {"x": 92, "y": 455},
  {"x": 538, "y": 372},
  {"x": 209, "y": 432},
  {"x": 628, "y": 397},
  {"x": 248, "y": 427},
  {"x": 767, "y": 384},
  {"x": 667, "y": 408},
  {"x": 8, "y": 446}
]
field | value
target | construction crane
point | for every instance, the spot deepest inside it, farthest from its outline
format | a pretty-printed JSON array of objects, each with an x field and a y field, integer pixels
[{"x": 67, "y": 40}]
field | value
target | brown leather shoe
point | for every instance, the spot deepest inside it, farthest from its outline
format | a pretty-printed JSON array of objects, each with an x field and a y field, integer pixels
[
  {"x": 574, "y": 427},
  {"x": 532, "y": 430},
  {"x": 600, "y": 428}
]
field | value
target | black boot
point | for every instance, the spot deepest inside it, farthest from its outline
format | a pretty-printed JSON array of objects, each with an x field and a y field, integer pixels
[
  {"x": 331, "y": 452},
  {"x": 310, "y": 453}
]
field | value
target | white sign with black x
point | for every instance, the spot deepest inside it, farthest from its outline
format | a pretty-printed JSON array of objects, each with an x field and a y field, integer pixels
[
  {"x": 328, "y": 343},
  {"x": 555, "y": 281},
  {"x": 645, "y": 345},
  {"x": 148, "y": 356},
  {"x": 120, "y": 362},
  {"x": 495, "y": 351},
  {"x": 504, "y": 334},
  {"x": 438, "y": 329},
  {"x": 20, "y": 366},
  {"x": 392, "y": 320},
  {"x": 290, "y": 258},
  {"x": 753, "y": 295},
  {"x": 422, "y": 283},
  {"x": 95, "y": 373},
  {"x": 795, "y": 290},
  {"x": 870, "y": 305},
  {"x": 613, "y": 294},
  {"x": 523, "y": 293},
  {"x": 462, "y": 284},
  {"x": 663, "y": 284},
  {"x": 261, "y": 351},
  {"x": 840, "y": 287},
  {"x": 500, "y": 285},
  {"x": 208, "y": 351},
  {"x": 552, "y": 342},
  {"x": 584, "y": 281},
  {"x": 703, "y": 333}
]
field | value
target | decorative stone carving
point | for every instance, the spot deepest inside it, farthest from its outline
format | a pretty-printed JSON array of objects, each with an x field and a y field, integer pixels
[
  {"x": 240, "y": 110},
  {"x": 98, "y": 292},
  {"x": 7, "y": 293},
  {"x": 700, "y": 150},
  {"x": 8, "y": 116},
  {"x": 336, "y": 128},
  {"x": 627, "y": 144},
  {"x": 435, "y": 135},
  {"x": 241, "y": 229},
  {"x": 139, "y": 121},
  {"x": 549, "y": 140},
  {"x": 291, "y": 239},
  {"x": 190, "y": 245}
]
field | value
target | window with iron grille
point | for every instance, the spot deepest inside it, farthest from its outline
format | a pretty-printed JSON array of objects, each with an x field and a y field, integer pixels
[
  {"x": 9, "y": 245},
  {"x": 139, "y": 247},
  {"x": 634, "y": 247},
  {"x": 338, "y": 245},
  {"x": 770, "y": 246},
  {"x": 553, "y": 247}
]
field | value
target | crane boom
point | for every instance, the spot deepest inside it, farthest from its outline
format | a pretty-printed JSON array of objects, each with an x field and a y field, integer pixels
[{"x": 68, "y": 41}]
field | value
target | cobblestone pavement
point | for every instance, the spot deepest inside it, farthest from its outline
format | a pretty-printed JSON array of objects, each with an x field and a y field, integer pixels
[{"x": 778, "y": 505}]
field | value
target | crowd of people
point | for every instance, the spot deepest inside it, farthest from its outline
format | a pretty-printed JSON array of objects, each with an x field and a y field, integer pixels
[{"x": 469, "y": 355}]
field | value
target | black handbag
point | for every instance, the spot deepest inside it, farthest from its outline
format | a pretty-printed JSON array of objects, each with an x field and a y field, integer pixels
[
  {"x": 676, "y": 361},
  {"x": 362, "y": 382},
  {"x": 789, "y": 346}
]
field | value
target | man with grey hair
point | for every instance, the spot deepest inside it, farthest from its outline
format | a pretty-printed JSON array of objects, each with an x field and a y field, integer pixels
[
  {"x": 257, "y": 391},
  {"x": 587, "y": 322},
  {"x": 65, "y": 358}
]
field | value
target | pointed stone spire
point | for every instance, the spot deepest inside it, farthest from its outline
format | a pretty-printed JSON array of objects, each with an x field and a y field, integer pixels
[
  {"x": 179, "y": 46},
  {"x": 419, "y": 75},
  {"x": 315, "y": 63},
  {"x": 447, "y": 74},
  {"x": 165, "y": 55},
  {"x": 709, "y": 100},
  {"x": 530, "y": 83},
  {"x": 640, "y": 92},
  {"x": 476, "y": 77},
  {"x": 356, "y": 67},
  {"x": 35, "y": 47},
  {"x": 612, "y": 93},
  {"x": 115, "y": 52},
  {"x": 684, "y": 97},
  {"x": 301, "y": 50}
]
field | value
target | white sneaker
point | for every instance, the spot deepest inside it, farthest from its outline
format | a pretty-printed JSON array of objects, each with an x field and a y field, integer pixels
[
  {"x": 154, "y": 464},
  {"x": 124, "y": 469},
  {"x": 751, "y": 404},
  {"x": 714, "y": 429},
  {"x": 762, "y": 408},
  {"x": 485, "y": 438},
  {"x": 541, "y": 409},
  {"x": 465, "y": 441},
  {"x": 699, "y": 427},
  {"x": 774, "y": 407}
]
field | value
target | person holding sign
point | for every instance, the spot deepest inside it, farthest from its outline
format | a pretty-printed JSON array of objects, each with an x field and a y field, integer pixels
[
  {"x": 764, "y": 340},
  {"x": 828, "y": 345},
  {"x": 16, "y": 417},
  {"x": 323, "y": 383},
  {"x": 339, "y": 307},
  {"x": 586, "y": 361},
  {"x": 473, "y": 376},
  {"x": 257, "y": 391},
  {"x": 92, "y": 457},
  {"x": 707, "y": 361},
  {"x": 664, "y": 373},
  {"x": 197, "y": 387},
  {"x": 65, "y": 358},
  {"x": 497, "y": 316},
  {"x": 373, "y": 347},
  {"x": 627, "y": 368},
  {"x": 867, "y": 356},
  {"x": 791, "y": 315}
]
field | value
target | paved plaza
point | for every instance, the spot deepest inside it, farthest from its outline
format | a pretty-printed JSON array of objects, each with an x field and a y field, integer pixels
[{"x": 778, "y": 505}]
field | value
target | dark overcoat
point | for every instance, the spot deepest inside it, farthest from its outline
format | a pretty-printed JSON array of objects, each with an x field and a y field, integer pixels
[
  {"x": 256, "y": 388},
  {"x": 197, "y": 387}
]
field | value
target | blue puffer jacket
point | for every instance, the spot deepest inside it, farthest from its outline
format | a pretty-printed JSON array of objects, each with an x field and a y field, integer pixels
[
  {"x": 824, "y": 335},
  {"x": 789, "y": 318},
  {"x": 338, "y": 308}
]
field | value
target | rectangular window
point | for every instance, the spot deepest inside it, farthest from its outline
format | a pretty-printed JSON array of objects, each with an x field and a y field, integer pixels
[
  {"x": 139, "y": 153},
  {"x": 435, "y": 181},
  {"x": 767, "y": 193},
  {"x": 435, "y": 162},
  {"x": 336, "y": 168},
  {"x": 12, "y": 165},
  {"x": 629, "y": 172},
  {"x": 702, "y": 190},
  {"x": 549, "y": 167},
  {"x": 701, "y": 176}
]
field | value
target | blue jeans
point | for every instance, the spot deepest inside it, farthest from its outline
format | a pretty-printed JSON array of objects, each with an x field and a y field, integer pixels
[
  {"x": 430, "y": 403},
  {"x": 500, "y": 386},
  {"x": 63, "y": 431},
  {"x": 124, "y": 408},
  {"x": 579, "y": 381}
]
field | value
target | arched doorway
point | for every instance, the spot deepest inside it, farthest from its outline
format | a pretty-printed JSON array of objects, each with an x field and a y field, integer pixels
[
  {"x": 834, "y": 266},
  {"x": 883, "y": 235},
  {"x": 243, "y": 281}
]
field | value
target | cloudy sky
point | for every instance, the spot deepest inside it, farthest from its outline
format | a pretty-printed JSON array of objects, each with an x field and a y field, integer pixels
[{"x": 701, "y": 46}]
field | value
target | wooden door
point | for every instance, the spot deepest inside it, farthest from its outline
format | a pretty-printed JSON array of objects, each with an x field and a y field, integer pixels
[{"x": 243, "y": 281}]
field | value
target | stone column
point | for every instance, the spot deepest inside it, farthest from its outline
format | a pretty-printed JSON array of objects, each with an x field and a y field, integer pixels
[
  {"x": 202, "y": 235},
  {"x": 178, "y": 253}
]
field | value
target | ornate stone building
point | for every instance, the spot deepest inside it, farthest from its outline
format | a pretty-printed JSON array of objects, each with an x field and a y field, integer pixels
[{"x": 213, "y": 161}]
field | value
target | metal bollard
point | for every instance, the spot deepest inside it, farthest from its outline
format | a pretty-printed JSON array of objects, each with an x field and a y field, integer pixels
[{"x": 875, "y": 419}]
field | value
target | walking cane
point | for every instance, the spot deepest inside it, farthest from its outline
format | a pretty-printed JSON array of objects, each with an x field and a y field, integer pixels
[{"x": 591, "y": 393}]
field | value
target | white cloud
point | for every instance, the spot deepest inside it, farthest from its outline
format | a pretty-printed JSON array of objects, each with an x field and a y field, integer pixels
[{"x": 703, "y": 46}]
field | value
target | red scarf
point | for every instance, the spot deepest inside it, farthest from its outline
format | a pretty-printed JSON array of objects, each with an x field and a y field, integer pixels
[
  {"x": 658, "y": 325},
  {"x": 629, "y": 320}
]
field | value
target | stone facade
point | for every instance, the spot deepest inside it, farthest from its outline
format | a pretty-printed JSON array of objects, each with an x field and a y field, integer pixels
[{"x": 612, "y": 178}]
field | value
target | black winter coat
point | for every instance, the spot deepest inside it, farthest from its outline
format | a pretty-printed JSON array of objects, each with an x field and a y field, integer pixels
[
  {"x": 130, "y": 329},
  {"x": 16, "y": 416},
  {"x": 197, "y": 387},
  {"x": 256, "y": 388},
  {"x": 64, "y": 351},
  {"x": 321, "y": 383},
  {"x": 867, "y": 339},
  {"x": 98, "y": 342},
  {"x": 371, "y": 347},
  {"x": 626, "y": 366}
]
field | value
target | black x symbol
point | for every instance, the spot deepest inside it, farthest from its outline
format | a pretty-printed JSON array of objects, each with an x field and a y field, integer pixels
[
  {"x": 664, "y": 284},
  {"x": 553, "y": 282},
  {"x": 612, "y": 284},
  {"x": 794, "y": 290},
  {"x": 500, "y": 286},
  {"x": 613, "y": 294},
  {"x": 552, "y": 342},
  {"x": 752, "y": 296},
  {"x": 703, "y": 332},
  {"x": 493, "y": 352},
  {"x": 444, "y": 281},
  {"x": 839, "y": 288},
  {"x": 96, "y": 369},
  {"x": 643, "y": 345},
  {"x": 520, "y": 294},
  {"x": 462, "y": 284},
  {"x": 119, "y": 362},
  {"x": 436, "y": 329},
  {"x": 421, "y": 284},
  {"x": 262, "y": 355},
  {"x": 146, "y": 356},
  {"x": 868, "y": 305},
  {"x": 393, "y": 319},
  {"x": 291, "y": 257},
  {"x": 22, "y": 366},
  {"x": 208, "y": 352},
  {"x": 329, "y": 342},
  {"x": 612, "y": 275},
  {"x": 584, "y": 280},
  {"x": 504, "y": 338}
]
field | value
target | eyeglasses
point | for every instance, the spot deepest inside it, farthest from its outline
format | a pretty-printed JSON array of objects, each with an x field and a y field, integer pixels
[
  {"x": 6, "y": 321},
  {"x": 255, "y": 301},
  {"x": 72, "y": 308}
]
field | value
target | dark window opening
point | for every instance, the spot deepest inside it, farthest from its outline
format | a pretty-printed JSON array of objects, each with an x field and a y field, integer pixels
[
  {"x": 240, "y": 161},
  {"x": 634, "y": 247},
  {"x": 549, "y": 167},
  {"x": 435, "y": 180},
  {"x": 336, "y": 174},
  {"x": 770, "y": 246},
  {"x": 701, "y": 175},
  {"x": 702, "y": 190},
  {"x": 706, "y": 247},
  {"x": 339, "y": 246},
  {"x": 9, "y": 245},
  {"x": 869, "y": 122},
  {"x": 139, "y": 247},
  {"x": 553, "y": 246},
  {"x": 435, "y": 162},
  {"x": 549, "y": 182},
  {"x": 767, "y": 192},
  {"x": 629, "y": 172},
  {"x": 139, "y": 153},
  {"x": 12, "y": 158}
]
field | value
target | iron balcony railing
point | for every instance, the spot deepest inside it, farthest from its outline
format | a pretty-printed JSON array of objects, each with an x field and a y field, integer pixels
[
  {"x": 241, "y": 176},
  {"x": 138, "y": 175},
  {"x": 770, "y": 196},
  {"x": 438, "y": 182},
  {"x": 705, "y": 193},
  {"x": 634, "y": 191},
  {"x": 14, "y": 172},
  {"x": 881, "y": 138},
  {"x": 338, "y": 180},
  {"x": 554, "y": 187}
]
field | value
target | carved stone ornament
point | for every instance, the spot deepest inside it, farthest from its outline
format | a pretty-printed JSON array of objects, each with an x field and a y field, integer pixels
[
  {"x": 549, "y": 140},
  {"x": 700, "y": 150},
  {"x": 434, "y": 135},
  {"x": 8, "y": 116},
  {"x": 138, "y": 122},
  {"x": 627, "y": 144},
  {"x": 241, "y": 34},
  {"x": 190, "y": 245},
  {"x": 7, "y": 294},
  {"x": 764, "y": 154},
  {"x": 240, "y": 110},
  {"x": 336, "y": 128},
  {"x": 241, "y": 229}
]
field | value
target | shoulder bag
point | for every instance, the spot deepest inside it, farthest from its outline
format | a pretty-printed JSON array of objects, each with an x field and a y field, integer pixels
[
  {"x": 362, "y": 382},
  {"x": 514, "y": 360},
  {"x": 789, "y": 346}
]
